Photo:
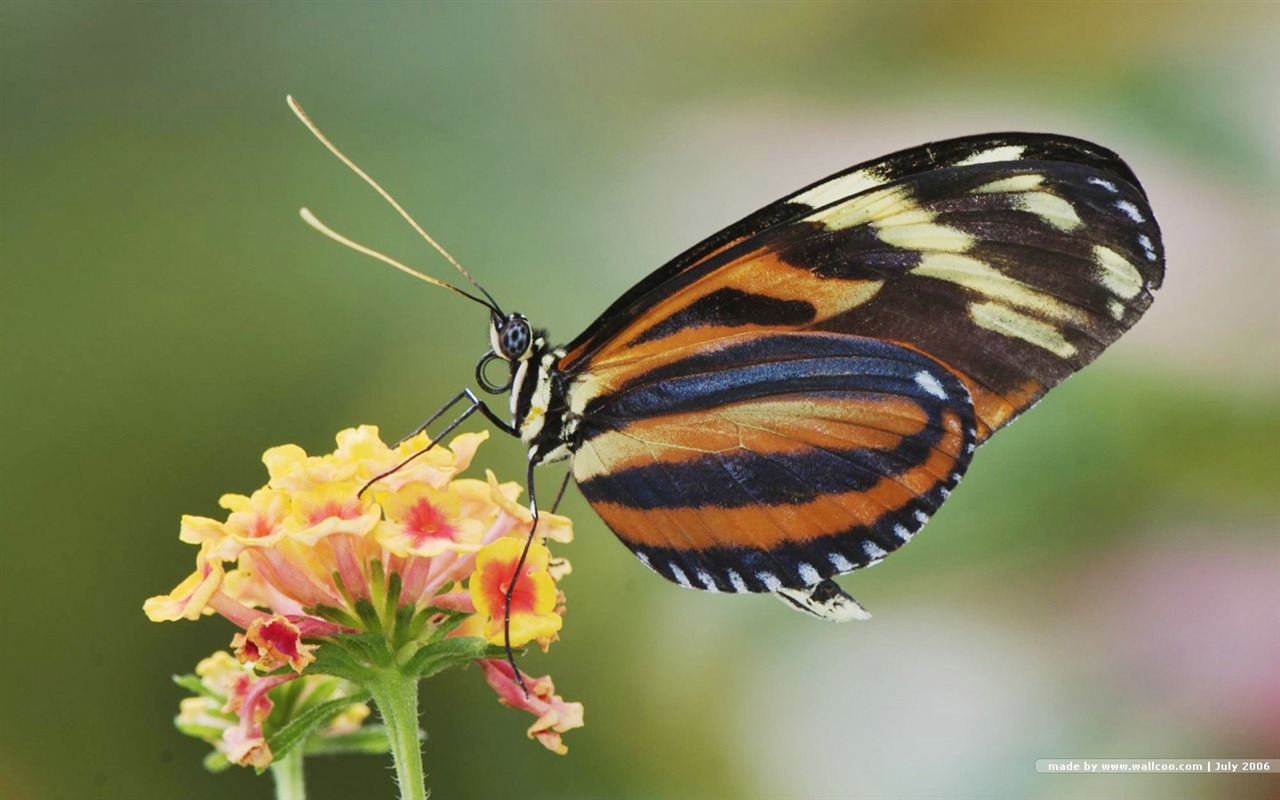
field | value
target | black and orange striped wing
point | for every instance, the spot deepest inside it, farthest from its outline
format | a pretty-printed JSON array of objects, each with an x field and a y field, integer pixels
[
  {"x": 939, "y": 292},
  {"x": 1013, "y": 259},
  {"x": 759, "y": 462}
]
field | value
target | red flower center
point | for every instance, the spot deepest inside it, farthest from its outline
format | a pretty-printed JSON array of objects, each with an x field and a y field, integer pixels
[
  {"x": 496, "y": 581},
  {"x": 261, "y": 527},
  {"x": 424, "y": 522}
]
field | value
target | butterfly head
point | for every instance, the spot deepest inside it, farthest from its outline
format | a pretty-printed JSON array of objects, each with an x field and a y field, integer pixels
[
  {"x": 512, "y": 340},
  {"x": 510, "y": 337}
]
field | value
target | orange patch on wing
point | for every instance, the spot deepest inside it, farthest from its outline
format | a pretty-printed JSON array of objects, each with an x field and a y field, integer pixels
[
  {"x": 993, "y": 410},
  {"x": 778, "y": 425},
  {"x": 567, "y": 360},
  {"x": 766, "y": 527},
  {"x": 761, "y": 273}
]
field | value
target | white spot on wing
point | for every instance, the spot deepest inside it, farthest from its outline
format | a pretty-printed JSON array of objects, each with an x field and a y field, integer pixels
[
  {"x": 1010, "y": 152},
  {"x": 769, "y": 580},
  {"x": 707, "y": 581},
  {"x": 1018, "y": 183},
  {"x": 1116, "y": 308},
  {"x": 873, "y": 552},
  {"x": 1050, "y": 208},
  {"x": 1130, "y": 210},
  {"x": 916, "y": 230},
  {"x": 680, "y": 577},
  {"x": 1116, "y": 273},
  {"x": 1148, "y": 249},
  {"x": 902, "y": 533},
  {"x": 829, "y": 192},
  {"x": 1006, "y": 321},
  {"x": 841, "y": 563},
  {"x": 921, "y": 517},
  {"x": 979, "y": 276},
  {"x": 930, "y": 384},
  {"x": 736, "y": 581},
  {"x": 880, "y": 204},
  {"x": 808, "y": 575},
  {"x": 1108, "y": 185},
  {"x": 644, "y": 559}
]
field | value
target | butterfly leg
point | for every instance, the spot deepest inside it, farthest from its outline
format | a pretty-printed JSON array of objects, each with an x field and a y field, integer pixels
[
  {"x": 476, "y": 405},
  {"x": 824, "y": 600},
  {"x": 511, "y": 586}
]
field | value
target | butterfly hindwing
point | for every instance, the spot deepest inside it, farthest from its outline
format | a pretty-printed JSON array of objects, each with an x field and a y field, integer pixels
[{"x": 773, "y": 460}]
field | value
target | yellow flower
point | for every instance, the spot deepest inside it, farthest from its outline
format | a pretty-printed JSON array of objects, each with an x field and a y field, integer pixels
[
  {"x": 533, "y": 601},
  {"x": 189, "y": 599},
  {"x": 424, "y": 521}
]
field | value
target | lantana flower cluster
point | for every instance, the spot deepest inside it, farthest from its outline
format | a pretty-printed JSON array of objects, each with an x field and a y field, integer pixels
[
  {"x": 409, "y": 576},
  {"x": 233, "y": 708}
]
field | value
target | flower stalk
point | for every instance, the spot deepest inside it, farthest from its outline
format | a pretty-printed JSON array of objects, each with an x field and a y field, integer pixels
[
  {"x": 289, "y": 778},
  {"x": 396, "y": 697}
]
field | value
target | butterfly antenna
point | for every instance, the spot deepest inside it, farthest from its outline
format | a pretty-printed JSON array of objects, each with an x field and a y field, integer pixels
[
  {"x": 315, "y": 131},
  {"x": 311, "y": 220}
]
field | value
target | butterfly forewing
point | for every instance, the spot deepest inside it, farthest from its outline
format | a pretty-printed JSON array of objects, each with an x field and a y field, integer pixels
[
  {"x": 982, "y": 149},
  {"x": 1013, "y": 273}
]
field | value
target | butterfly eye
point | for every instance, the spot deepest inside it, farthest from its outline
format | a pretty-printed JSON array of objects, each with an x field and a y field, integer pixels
[{"x": 514, "y": 338}]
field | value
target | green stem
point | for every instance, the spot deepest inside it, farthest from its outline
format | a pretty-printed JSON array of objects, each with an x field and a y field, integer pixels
[
  {"x": 396, "y": 696},
  {"x": 291, "y": 784}
]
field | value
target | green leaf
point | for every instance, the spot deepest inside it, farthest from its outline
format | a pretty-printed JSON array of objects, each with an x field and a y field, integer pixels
[
  {"x": 368, "y": 616},
  {"x": 391, "y": 603},
  {"x": 336, "y": 615},
  {"x": 309, "y": 721},
  {"x": 433, "y": 658},
  {"x": 370, "y": 740},
  {"x": 404, "y": 627},
  {"x": 331, "y": 660}
]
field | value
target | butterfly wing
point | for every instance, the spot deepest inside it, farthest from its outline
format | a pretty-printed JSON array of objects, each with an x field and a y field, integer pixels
[
  {"x": 764, "y": 461},
  {"x": 1013, "y": 259},
  {"x": 939, "y": 292}
]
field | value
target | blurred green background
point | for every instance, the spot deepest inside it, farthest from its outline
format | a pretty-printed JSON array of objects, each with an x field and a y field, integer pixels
[{"x": 1105, "y": 584}]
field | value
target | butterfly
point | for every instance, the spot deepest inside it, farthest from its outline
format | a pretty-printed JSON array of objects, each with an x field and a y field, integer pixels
[{"x": 792, "y": 398}]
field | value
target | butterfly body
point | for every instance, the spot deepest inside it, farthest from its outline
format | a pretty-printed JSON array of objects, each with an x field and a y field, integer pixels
[{"x": 792, "y": 398}]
